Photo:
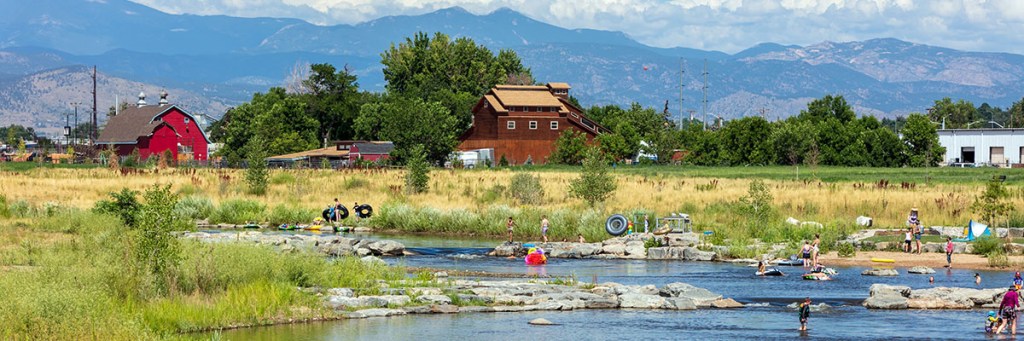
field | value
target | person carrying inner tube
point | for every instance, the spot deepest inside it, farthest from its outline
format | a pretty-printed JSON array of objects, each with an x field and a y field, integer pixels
[
  {"x": 355, "y": 208},
  {"x": 336, "y": 210}
]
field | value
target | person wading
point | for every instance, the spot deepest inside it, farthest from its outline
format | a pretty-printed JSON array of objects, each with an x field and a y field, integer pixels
[
  {"x": 915, "y": 226},
  {"x": 949, "y": 252},
  {"x": 1008, "y": 309},
  {"x": 544, "y": 228},
  {"x": 805, "y": 313},
  {"x": 510, "y": 225}
]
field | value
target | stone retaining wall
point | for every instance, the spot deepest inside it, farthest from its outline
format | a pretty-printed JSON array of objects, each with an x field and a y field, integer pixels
[
  {"x": 679, "y": 247},
  {"x": 332, "y": 245}
]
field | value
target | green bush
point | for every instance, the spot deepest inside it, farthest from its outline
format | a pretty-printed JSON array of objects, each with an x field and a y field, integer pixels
[
  {"x": 289, "y": 214},
  {"x": 998, "y": 259},
  {"x": 124, "y": 204},
  {"x": 526, "y": 189},
  {"x": 846, "y": 250},
  {"x": 239, "y": 211},
  {"x": 417, "y": 177},
  {"x": 355, "y": 182},
  {"x": 594, "y": 184},
  {"x": 194, "y": 207},
  {"x": 282, "y": 178},
  {"x": 987, "y": 244}
]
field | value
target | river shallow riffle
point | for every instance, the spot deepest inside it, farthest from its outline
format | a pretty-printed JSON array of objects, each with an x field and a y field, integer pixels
[{"x": 765, "y": 317}]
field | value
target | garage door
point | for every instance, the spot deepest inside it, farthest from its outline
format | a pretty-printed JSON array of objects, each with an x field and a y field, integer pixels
[{"x": 997, "y": 155}]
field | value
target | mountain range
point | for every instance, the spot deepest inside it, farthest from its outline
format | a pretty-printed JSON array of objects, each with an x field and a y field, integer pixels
[{"x": 209, "y": 63}]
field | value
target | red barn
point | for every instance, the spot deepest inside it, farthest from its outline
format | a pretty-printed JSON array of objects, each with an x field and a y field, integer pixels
[
  {"x": 152, "y": 129},
  {"x": 523, "y": 122}
]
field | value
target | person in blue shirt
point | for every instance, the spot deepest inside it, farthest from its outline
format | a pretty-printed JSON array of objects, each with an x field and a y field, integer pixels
[{"x": 1017, "y": 281}]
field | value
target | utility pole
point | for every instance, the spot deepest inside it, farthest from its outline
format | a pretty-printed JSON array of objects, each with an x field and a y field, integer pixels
[
  {"x": 704, "y": 111},
  {"x": 95, "y": 128},
  {"x": 74, "y": 137},
  {"x": 764, "y": 113},
  {"x": 682, "y": 83},
  {"x": 691, "y": 111}
]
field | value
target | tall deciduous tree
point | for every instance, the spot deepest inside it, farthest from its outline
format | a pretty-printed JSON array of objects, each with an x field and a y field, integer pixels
[
  {"x": 408, "y": 122},
  {"x": 747, "y": 141},
  {"x": 829, "y": 106},
  {"x": 333, "y": 100},
  {"x": 922, "y": 141},
  {"x": 280, "y": 119},
  {"x": 594, "y": 185},
  {"x": 957, "y": 114},
  {"x": 569, "y": 147}
]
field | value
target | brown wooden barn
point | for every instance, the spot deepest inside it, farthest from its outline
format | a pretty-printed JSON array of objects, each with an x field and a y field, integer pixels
[{"x": 523, "y": 122}]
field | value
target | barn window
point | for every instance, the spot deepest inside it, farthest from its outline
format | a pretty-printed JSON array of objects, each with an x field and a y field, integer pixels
[
  {"x": 554, "y": 125},
  {"x": 186, "y": 120},
  {"x": 533, "y": 124},
  {"x": 510, "y": 125}
]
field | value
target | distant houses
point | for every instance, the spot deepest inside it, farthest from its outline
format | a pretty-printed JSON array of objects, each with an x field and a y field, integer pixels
[
  {"x": 342, "y": 154},
  {"x": 154, "y": 129},
  {"x": 522, "y": 122}
]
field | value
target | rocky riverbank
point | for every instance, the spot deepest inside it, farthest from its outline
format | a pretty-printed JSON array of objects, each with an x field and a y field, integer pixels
[
  {"x": 328, "y": 244},
  {"x": 510, "y": 296},
  {"x": 676, "y": 246},
  {"x": 903, "y": 297}
]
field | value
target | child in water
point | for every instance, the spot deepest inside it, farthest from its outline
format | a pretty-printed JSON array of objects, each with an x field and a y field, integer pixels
[
  {"x": 991, "y": 322},
  {"x": 1018, "y": 282}
]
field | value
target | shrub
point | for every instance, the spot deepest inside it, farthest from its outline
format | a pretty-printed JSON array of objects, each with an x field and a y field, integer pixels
[
  {"x": 288, "y": 214},
  {"x": 846, "y": 250},
  {"x": 238, "y": 211},
  {"x": 526, "y": 189},
  {"x": 194, "y": 208},
  {"x": 987, "y": 244},
  {"x": 282, "y": 178},
  {"x": 256, "y": 174},
  {"x": 355, "y": 182},
  {"x": 417, "y": 178},
  {"x": 998, "y": 259},
  {"x": 125, "y": 205},
  {"x": 594, "y": 184}
]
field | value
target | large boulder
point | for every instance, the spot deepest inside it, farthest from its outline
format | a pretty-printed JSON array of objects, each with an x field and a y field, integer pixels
[
  {"x": 679, "y": 303},
  {"x": 1016, "y": 232},
  {"x": 693, "y": 254},
  {"x": 884, "y": 289},
  {"x": 375, "y": 313},
  {"x": 665, "y": 253},
  {"x": 636, "y": 249},
  {"x": 386, "y": 247},
  {"x": 541, "y": 322},
  {"x": 921, "y": 270},
  {"x": 509, "y": 249},
  {"x": 602, "y": 303},
  {"x": 435, "y": 299},
  {"x": 641, "y": 301},
  {"x": 614, "y": 249},
  {"x": 700, "y": 296},
  {"x": 880, "y": 272},
  {"x": 726, "y": 303},
  {"x": 886, "y": 301}
]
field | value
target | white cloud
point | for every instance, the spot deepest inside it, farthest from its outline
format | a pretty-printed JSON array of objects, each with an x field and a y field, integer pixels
[{"x": 725, "y": 25}]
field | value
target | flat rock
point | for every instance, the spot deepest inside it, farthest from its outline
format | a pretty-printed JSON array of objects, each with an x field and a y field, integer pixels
[
  {"x": 509, "y": 249},
  {"x": 886, "y": 301},
  {"x": 641, "y": 301},
  {"x": 541, "y": 322},
  {"x": 700, "y": 296},
  {"x": 373, "y": 260},
  {"x": 434, "y": 299},
  {"x": 444, "y": 309},
  {"x": 883, "y": 289},
  {"x": 880, "y": 272},
  {"x": 694, "y": 254},
  {"x": 679, "y": 303},
  {"x": 726, "y": 303},
  {"x": 924, "y": 270},
  {"x": 614, "y": 249},
  {"x": 636, "y": 248},
  {"x": 378, "y": 312},
  {"x": 341, "y": 292}
]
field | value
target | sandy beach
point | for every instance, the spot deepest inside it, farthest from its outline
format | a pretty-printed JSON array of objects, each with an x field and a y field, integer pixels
[{"x": 933, "y": 260}]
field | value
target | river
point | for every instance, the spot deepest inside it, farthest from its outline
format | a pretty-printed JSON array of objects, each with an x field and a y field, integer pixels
[{"x": 766, "y": 316}]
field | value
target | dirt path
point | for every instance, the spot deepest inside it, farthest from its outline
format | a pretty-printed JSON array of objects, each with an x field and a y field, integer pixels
[{"x": 933, "y": 260}]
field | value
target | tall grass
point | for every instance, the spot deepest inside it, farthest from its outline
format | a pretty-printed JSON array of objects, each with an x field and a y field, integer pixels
[
  {"x": 490, "y": 221},
  {"x": 61, "y": 283},
  {"x": 239, "y": 211}
]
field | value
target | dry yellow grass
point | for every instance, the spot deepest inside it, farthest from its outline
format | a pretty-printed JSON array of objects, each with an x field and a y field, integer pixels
[{"x": 940, "y": 204}]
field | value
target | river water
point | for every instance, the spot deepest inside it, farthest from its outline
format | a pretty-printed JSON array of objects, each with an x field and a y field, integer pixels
[{"x": 766, "y": 316}]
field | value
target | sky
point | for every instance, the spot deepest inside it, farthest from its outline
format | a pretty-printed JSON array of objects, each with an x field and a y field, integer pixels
[{"x": 724, "y": 25}]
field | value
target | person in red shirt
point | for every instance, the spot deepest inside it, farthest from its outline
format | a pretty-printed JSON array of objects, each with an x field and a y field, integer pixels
[
  {"x": 1008, "y": 309},
  {"x": 949, "y": 252}
]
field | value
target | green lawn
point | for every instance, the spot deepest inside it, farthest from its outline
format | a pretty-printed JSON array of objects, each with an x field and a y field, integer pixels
[{"x": 25, "y": 166}]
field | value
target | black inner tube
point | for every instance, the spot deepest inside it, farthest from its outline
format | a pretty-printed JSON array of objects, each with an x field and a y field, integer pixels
[
  {"x": 616, "y": 225},
  {"x": 364, "y": 211},
  {"x": 329, "y": 216}
]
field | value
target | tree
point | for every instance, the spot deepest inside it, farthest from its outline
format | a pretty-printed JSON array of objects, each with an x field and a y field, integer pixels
[
  {"x": 615, "y": 146},
  {"x": 452, "y": 72},
  {"x": 757, "y": 202},
  {"x": 791, "y": 139},
  {"x": 408, "y": 122},
  {"x": 594, "y": 185},
  {"x": 747, "y": 141},
  {"x": 991, "y": 204},
  {"x": 333, "y": 100},
  {"x": 526, "y": 189},
  {"x": 256, "y": 175},
  {"x": 570, "y": 147},
  {"x": 922, "y": 142},
  {"x": 884, "y": 148},
  {"x": 156, "y": 246},
  {"x": 279, "y": 118},
  {"x": 1016, "y": 114},
  {"x": 417, "y": 176},
  {"x": 829, "y": 106},
  {"x": 957, "y": 114}
]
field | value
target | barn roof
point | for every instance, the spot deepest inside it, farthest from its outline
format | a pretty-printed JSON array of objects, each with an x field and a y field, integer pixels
[
  {"x": 375, "y": 147},
  {"x": 537, "y": 96}
]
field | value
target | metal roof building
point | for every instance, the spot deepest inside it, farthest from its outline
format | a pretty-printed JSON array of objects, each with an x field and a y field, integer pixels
[{"x": 1001, "y": 147}]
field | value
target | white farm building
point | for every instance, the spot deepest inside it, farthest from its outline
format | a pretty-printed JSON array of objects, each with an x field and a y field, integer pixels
[{"x": 997, "y": 147}]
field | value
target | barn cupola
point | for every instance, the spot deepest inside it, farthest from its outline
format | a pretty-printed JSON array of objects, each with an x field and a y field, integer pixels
[
  {"x": 163, "y": 98},
  {"x": 142, "y": 99},
  {"x": 560, "y": 90}
]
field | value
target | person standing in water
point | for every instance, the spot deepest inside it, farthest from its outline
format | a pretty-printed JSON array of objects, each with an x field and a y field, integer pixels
[
  {"x": 949, "y": 252},
  {"x": 1018, "y": 282},
  {"x": 814, "y": 248},
  {"x": 806, "y": 251},
  {"x": 805, "y": 313},
  {"x": 544, "y": 228},
  {"x": 1008, "y": 310},
  {"x": 510, "y": 225}
]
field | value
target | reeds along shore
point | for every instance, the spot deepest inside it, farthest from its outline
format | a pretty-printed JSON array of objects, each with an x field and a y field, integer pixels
[{"x": 476, "y": 201}]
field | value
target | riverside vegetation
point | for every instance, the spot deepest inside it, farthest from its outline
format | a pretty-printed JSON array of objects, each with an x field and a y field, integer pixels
[{"x": 476, "y": 202}]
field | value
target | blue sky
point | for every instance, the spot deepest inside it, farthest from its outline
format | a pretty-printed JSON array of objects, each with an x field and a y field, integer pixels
[{"x": 724, "y": 25}]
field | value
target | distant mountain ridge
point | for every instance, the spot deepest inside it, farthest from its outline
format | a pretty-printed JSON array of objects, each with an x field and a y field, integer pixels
[{"x": 224, "y": 60}]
